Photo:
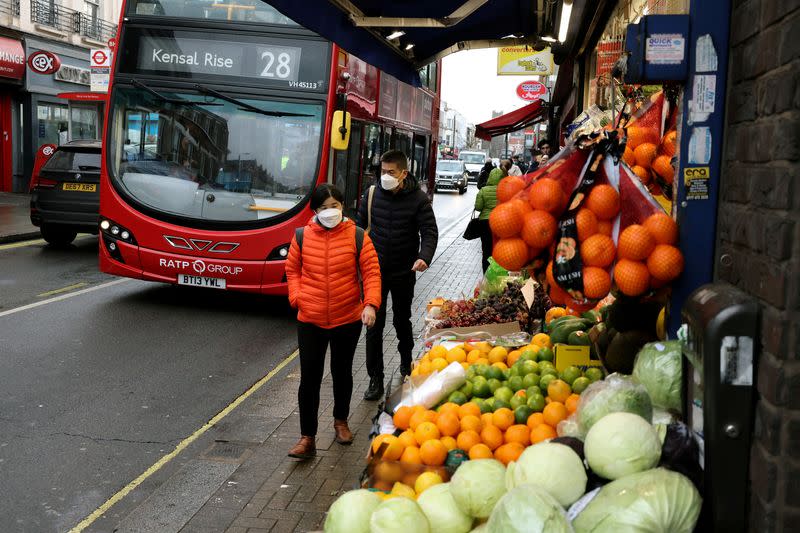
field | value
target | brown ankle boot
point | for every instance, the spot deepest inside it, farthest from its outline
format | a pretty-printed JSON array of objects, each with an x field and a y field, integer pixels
[
  {"x": 305, "y": 448},
  {"x": 343, "y": 434}
]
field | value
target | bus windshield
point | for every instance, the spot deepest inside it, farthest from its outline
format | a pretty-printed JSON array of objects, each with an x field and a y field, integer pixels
[
  {"x": 203, "y": 157},
  {"x": 234, "y": 10}
]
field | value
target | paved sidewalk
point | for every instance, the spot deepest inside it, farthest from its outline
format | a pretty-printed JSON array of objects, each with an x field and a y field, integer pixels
[
  {"x": 237, "y": 477},
  {"x": 15, "y": 218}
]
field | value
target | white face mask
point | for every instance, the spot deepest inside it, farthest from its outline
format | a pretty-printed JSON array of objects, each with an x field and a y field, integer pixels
[
  {"x": 330, "y": 218},
  {"x": 389, "y": 183}
]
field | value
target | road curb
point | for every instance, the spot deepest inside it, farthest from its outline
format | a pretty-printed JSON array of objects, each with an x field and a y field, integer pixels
[{"x": 5, "y": 239}]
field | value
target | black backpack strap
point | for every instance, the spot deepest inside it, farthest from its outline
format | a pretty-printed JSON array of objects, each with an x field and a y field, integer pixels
[
  {"x": 298, "y": 236},
  {"x": 359, "y": 241}
]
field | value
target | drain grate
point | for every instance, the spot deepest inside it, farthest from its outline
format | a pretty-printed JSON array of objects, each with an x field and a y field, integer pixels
[{"x": 227, "y": 452}]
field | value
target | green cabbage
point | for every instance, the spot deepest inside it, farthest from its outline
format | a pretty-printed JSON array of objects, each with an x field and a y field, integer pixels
[
  {"x": 351, "y": 512},
  {"x": 658, "y": 367},
  {"x": 478, "y": 485},
  {"x": 617, "y": 393},
  {"x": 528, "y": 509},
  {"x": 398, "y": 515},
  {"x": 620, "y": 444},
  {"x": 444, "y": 516},
  {"x": 554, "y": 467},
  {"x": 656, "y": 501}
]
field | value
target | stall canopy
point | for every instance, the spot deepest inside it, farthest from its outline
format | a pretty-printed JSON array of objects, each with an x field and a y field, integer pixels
[
  {"x": 421, "y": 31},
  {"x": 513, "y": 121}
]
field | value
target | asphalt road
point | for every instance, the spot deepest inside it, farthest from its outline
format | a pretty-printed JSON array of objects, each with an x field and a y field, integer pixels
[{"x": 99, "y": 376}]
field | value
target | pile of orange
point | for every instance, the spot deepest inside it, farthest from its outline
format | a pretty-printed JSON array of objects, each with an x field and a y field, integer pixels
[
  {"x": 647, "y": 255},
  {"x": 649, "y": 156}
]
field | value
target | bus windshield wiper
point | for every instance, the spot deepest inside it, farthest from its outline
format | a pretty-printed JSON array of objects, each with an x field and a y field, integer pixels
[
  {"x": 244, "y": 105},
  {"x": 168, "y": 99}
]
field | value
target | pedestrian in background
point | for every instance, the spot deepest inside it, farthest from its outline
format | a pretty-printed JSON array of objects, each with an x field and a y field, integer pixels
[
  {"x": 322, "y": 270},
  {"x": 484, "y": 203},
  {"x": 400, "y": 220},
  {"x": 523, "y": 168},
  {"x": 488, "y": 166}
]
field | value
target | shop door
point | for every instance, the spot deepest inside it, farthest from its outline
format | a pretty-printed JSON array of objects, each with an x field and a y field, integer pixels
[
  {"x": 6, "y": 143},
  {"x": 83, "y": 122}
]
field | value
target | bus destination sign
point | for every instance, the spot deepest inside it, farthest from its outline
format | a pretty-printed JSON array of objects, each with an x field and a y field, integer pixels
[{"x": 268, "y": 62}]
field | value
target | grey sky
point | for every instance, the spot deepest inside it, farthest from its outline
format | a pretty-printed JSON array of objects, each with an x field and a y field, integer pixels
[{"x": 471, "y": 85}]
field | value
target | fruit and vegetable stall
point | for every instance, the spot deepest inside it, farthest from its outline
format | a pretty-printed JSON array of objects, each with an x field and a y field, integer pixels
[{"x": 550, "y": 400}]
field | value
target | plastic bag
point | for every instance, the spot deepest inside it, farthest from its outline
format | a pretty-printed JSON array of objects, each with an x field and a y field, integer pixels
[
  {"x": 617, "y": 393},
  {"x": 436, "y": 387},
  {"x": 494, "y": 272},
  {"x": 656, "y": 501},
  {"x": 658, "y": 366},
  {"x": 681, "y": 453}
]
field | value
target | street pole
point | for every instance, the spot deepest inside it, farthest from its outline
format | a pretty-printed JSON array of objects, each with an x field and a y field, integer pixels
[
  {"x": 454, "y": 132},
  {"x": 505, "y": 151}
]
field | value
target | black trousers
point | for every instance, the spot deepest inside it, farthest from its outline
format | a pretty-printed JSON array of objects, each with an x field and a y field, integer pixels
[
  {"x": 486, "y": 243},
  {"x": 313, "y": 342},
  {"x": 402, "y": 290}
]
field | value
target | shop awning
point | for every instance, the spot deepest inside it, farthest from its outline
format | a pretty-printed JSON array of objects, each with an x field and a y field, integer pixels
[
  {"x": 513, "y": 121},
  {"x": 84, "y": 96},
  {"x": 422, "y": 31}
]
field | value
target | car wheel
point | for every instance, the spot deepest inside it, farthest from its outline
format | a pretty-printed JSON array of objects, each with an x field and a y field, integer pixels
[{"x": 57, "y": 236}]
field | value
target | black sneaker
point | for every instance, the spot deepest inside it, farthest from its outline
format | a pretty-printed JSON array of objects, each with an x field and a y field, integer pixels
[
  {"x": 405, "y": 370},
  {"x": 375, "y": 390}
]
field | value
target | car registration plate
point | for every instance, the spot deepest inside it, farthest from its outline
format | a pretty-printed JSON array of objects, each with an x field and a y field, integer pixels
[
  {"x": 201, "y": 281},
  {"x": 80, "y": 187}
]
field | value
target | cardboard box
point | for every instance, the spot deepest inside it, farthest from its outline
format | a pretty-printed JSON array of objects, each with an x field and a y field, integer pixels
[{"x": 580, "y": 356}]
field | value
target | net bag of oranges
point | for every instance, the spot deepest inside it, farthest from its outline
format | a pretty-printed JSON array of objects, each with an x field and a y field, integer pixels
[{"x": 589, "y": 222}]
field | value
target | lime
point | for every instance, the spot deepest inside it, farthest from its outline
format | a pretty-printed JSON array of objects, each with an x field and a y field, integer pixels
[
  {"x": 457, "y": 397},
  {"x": 515, "y": 383},
  {"x": 536, "y": 402},
  {"x": 504, "y": 393},
  {"x": 493, "y": 372},
  {"x": 549, "y": 372},
  {"x": 513, "y": 371},
  {"x": 518, "y": 399},
  {"x": 545, "y": 364},
  {"x": 480, "y": 387},
  {"x": 533, "y": 391},
  {"x": 529, "y": 367},
  {"x": 467, "y": 389},
  {"x": 545, "y": 354},
  {"x": 499, "y": 404},
  {"x": 471, "y": 372},
  {"x": 522, "y": 413},
  {"x": 545, "y": 381},
  {"x": 494, "y": 384},
  {"x": 489, "y": 402},
  {"x": 506, "y": 373},
  {"x": 594, "y": 374},
  {"x": 482, "y": 404},
  {"x": 531, "y": 380},
  {"x": 580, "y": 384},
  {"x": 570, "y": 374},
  {"x": 481, "y": 370},
  {"x": 527, "y": 355}
]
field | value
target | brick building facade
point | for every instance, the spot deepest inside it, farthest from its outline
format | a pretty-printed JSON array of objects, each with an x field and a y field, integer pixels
[{"x": 759, "y": 237}]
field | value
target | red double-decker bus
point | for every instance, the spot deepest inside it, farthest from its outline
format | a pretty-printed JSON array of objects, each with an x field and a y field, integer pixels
[{"x": 218, "y": 129}]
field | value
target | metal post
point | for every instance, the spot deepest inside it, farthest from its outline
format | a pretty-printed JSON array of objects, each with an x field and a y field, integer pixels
[
  {"x": 701, "y": 143},
  {"x": 505, "y": 151}
]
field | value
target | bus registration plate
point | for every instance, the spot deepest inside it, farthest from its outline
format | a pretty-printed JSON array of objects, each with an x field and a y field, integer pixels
[{"x": 201, "y": 281}]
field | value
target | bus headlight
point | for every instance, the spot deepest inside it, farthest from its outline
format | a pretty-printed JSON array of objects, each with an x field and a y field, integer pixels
[
  {"x": 114, "y": 231},
  {"x": 279, "y": 253}
]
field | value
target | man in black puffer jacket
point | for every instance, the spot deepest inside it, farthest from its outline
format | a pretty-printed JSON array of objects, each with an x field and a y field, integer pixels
[{"x": 403, "y": 229}]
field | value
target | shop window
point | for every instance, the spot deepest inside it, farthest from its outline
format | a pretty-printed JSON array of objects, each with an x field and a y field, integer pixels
[
  {"x": 83, "y": 123},
  {"x": 53, "y": 124}
]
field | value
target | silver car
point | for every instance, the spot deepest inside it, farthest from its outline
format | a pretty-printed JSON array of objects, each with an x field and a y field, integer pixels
[{"x": 451, "y": 174}]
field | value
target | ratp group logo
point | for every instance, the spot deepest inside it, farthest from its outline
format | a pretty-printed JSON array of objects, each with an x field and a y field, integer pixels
[{"x": 199, "y": 266}]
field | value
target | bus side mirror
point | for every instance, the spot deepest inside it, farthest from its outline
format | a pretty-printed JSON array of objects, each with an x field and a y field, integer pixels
[{"x": 340, "y": 130}]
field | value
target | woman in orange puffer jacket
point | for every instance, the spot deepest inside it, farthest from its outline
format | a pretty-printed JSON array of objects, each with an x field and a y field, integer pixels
[{"x": 325, "y": 289}]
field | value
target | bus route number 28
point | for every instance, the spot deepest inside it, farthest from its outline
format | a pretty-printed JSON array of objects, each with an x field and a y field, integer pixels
[{"x": 282, "y": 69}]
